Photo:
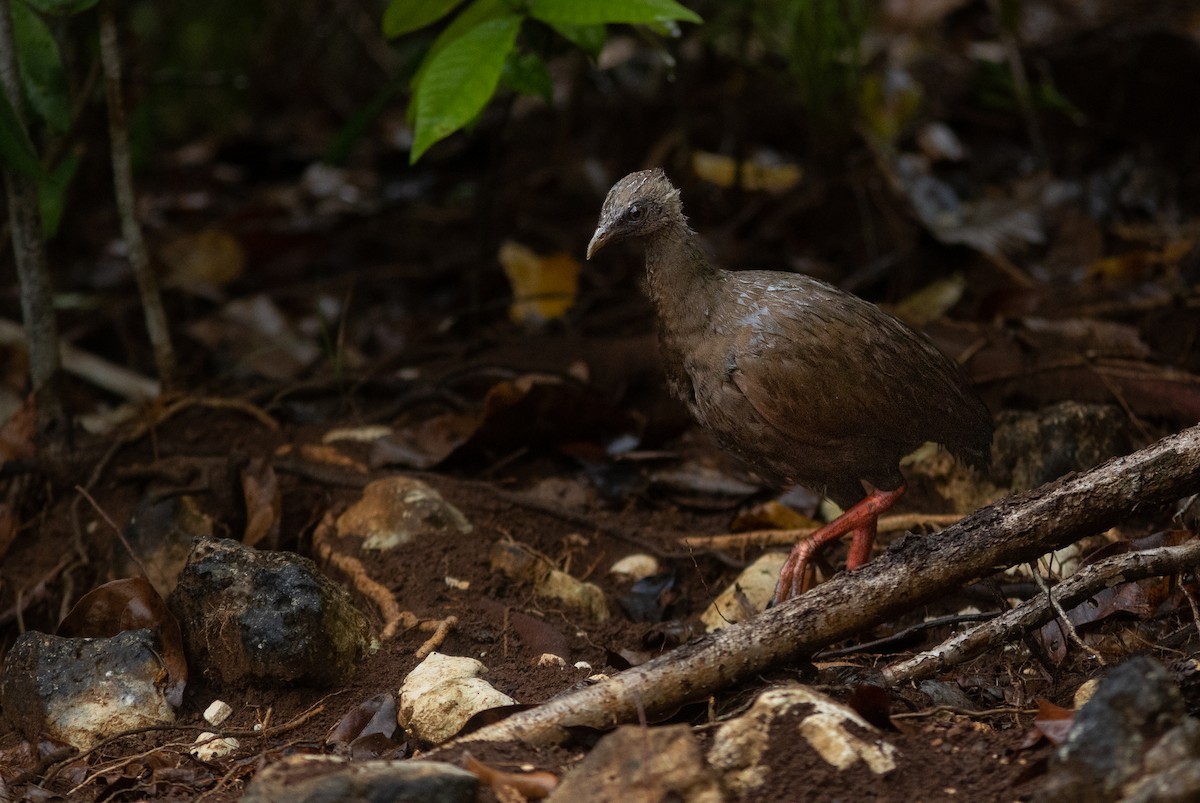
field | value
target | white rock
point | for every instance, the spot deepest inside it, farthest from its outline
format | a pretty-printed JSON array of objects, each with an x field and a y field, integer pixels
[
  {"x": 216, "y": 748},
  {"x": 739, "y": 744},
  {"x": 217, "y": 712},
  {"x": 550, "y": 659},
  {"x": 635, "y": 567},
  {"x": 395, "y": 510},
  {"x": 442, "y": 693}
]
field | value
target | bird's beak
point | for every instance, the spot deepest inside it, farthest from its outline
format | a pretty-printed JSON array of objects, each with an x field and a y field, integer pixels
[{"x": 598, "y": 240}]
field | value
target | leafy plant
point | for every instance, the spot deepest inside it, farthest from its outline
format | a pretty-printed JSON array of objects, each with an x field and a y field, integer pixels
[
  {"x": 821, "y": 43},
  {"x": 480, "y": 47},
  {"x": 45, "y": 92}
]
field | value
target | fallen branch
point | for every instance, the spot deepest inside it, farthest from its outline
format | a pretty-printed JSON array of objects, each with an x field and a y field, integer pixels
[
  {"x": 751, "y": 538},
  {"x": 100, "y": 372},
  {"x": 914, "y": 570},
  {"x": 1038, "y": 611}
]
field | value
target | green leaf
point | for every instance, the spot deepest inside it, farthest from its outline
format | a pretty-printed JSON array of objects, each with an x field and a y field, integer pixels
[
  {"x": 588, "y": 38},
  {"x": 16, "y": 151},
  {"x": 62, "y": 6},
  {"x": 405, "y": 16},
  {"x": 42, "y": 72},
  {"x": 457, "y": 81},
  {"x": 597, "y": 12},
  {"x": 52, "y": 193},
  {"x": 528, "y": 74},
  {"x": 472, "y": 15}
]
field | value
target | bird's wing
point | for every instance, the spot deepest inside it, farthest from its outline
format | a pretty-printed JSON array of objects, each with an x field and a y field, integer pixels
[{"x": 823, "y": 367}]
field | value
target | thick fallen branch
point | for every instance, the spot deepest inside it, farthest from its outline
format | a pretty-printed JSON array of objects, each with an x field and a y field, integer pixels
[
  {"x": 1038, "y": 611},
  {"x": 914, "y": 570}
]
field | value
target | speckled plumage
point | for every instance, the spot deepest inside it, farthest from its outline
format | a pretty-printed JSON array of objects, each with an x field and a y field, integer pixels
[{"x": 804, "y": 382}]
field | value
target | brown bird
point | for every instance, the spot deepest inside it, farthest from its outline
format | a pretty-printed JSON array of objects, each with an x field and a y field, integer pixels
[{"x": 805, "y": 383}]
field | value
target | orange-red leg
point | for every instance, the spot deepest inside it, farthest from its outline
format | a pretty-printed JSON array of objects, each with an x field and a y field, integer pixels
[{"x": 860, "y": 521}]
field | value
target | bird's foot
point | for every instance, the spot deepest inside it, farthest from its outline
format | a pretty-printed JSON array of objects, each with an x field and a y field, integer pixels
[{"x": 860, "y": 521}]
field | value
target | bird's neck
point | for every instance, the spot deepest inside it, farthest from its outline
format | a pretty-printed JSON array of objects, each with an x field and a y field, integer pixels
[{"x": 680, "y": 277}]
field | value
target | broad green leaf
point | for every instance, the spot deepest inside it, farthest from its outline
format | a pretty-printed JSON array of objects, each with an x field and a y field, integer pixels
[
  {"x": 42, "y": 72},
  {"x": 588, "y": 38},
  {"x": 528, "y": 74},
  {"x": 459, "y": 79},
  {"x": 62, "y": 6},
  {"x": 404, "y": 16},
  {"x": 472, "y": 15},
  {"x": 52, "y": 193},
  {"x": 598, "y": 12},
  {"x": 16, "y": 151}
]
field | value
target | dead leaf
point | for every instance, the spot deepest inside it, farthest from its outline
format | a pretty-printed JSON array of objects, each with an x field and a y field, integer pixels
[
  {"x": 376, "y": 715},
  {"x": 1141, "y": 598},
  {"x": 264, "y": 503},
  {"x": 772, "y": 515},
  {"x": 533, "y": 785},
  {"x": 1052, "y": 723},
  {"x": 203, "y": 261},
  {"x": 544, "y": 288},
  {"x": 130, "y": 604},
  {"x": 333, "y": 456},
  {"x": 529, "y": 411},
  {"x": 16, "y": 436},
  {"x": 761, "y": 172}
]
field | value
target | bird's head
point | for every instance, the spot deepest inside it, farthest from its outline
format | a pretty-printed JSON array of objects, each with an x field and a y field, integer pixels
[{"x": 637, "y": 205}]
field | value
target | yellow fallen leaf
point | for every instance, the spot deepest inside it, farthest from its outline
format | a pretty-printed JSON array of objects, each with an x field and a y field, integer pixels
[
  {"x": 1135, "y": 264},
  {"x": 544, "y": 288},
  {"x": 756, "y": 174},
  {"x": 203, "y": 259}
]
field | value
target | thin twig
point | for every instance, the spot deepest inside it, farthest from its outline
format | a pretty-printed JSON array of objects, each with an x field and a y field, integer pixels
[
  {"x": 966, "y": 712},
  {"x": 1037, "y": 611},
  {"x": 753, "y": 538},
  {"x": 131, "y": 230},
  {"x": 1064, "y": 621},
  {"x": 120, "y": 535}
]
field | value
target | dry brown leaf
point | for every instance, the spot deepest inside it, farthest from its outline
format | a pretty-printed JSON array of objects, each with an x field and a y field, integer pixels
[{"x": 264, "y": 503}]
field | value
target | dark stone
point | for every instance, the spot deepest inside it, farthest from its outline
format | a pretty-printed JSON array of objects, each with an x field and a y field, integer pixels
[
  {"x": 1134, "y": 706},
  {"x": 80, "y": 690},
  {"x": 273, "y": 616}
]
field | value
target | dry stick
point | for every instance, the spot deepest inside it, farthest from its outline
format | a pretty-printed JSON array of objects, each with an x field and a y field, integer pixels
[
  {"x": 1037, "y": 611},
  {"x": 29, "y": 251},
  {"x": 1064, "y": 620},
  {"x": 913, "y": 571},
  {"x": 131, "y": 230},
  {"x": 751, "y": 538},
  {"x": 133, "y": 555}
]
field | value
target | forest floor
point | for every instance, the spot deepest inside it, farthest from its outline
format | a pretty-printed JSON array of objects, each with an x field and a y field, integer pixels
[{"x": 329, "y": 299}]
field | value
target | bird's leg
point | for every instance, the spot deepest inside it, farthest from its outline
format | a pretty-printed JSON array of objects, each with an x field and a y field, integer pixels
[{"x": 861, "y": 521}]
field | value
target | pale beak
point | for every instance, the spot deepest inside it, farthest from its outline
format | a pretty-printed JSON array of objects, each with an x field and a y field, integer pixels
[{"x": 598, "y": 240}]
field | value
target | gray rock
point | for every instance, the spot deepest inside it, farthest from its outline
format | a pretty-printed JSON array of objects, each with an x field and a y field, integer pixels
[
  {"x": 1030, "y": 449},
  {"x": 642, "y": 765},
  {"x": 1135, "y": 705},
  {"x": 80, "y": 690},
  {"x": 269, "y": 616},
  {"x": 330, "y": 779}
]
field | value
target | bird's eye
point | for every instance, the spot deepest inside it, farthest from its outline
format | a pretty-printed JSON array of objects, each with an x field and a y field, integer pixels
[{"x": 634, "y": 213}]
